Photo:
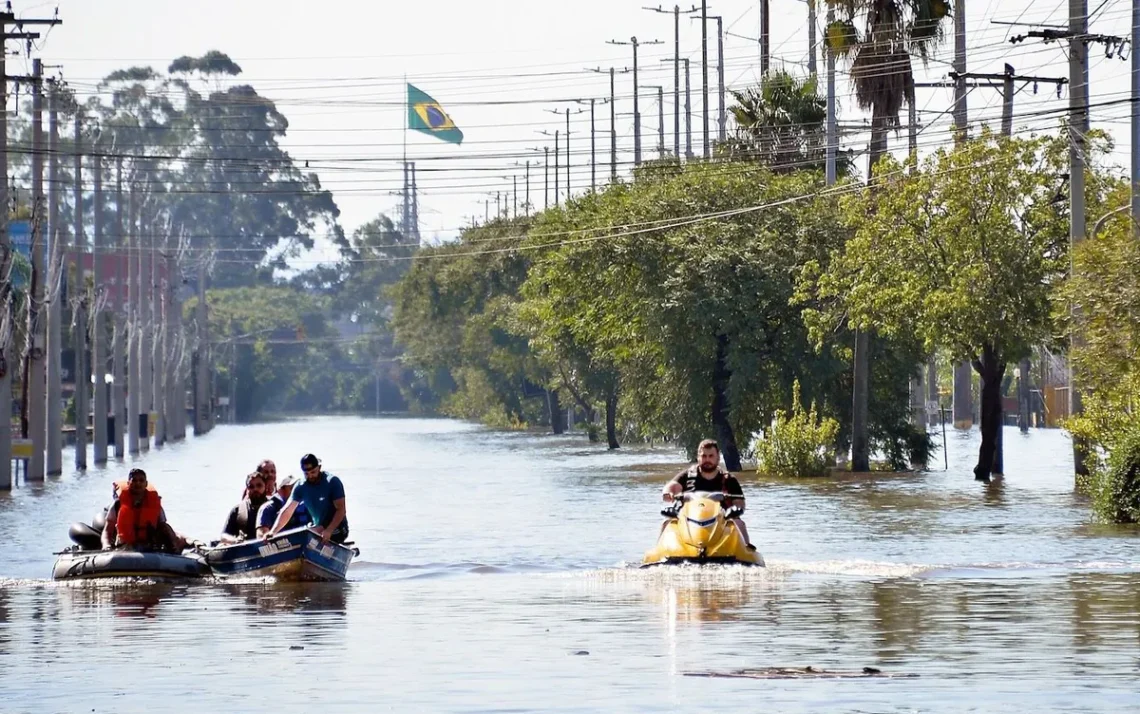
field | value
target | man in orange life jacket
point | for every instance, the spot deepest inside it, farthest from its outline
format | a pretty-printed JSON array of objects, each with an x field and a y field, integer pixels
[{"x": 136, "y": 520}]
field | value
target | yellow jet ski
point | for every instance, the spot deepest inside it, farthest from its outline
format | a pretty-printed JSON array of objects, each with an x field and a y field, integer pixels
[{"x": 700, "y": 531}]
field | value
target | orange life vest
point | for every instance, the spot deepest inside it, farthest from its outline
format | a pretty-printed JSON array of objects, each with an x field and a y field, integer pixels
[{"x": 136, "y": 524}]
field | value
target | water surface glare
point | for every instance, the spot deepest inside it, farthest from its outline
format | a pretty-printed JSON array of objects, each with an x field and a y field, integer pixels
[{"x": 497, "y": 573}]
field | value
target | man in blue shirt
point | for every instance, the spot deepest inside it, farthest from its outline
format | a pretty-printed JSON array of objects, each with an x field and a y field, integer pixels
[
  {"x": 323, "y": 497},
  {"x": 267, "y": 516}
]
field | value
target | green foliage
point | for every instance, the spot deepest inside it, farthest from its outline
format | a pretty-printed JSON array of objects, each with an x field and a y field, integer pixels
[
  {"x": 1116, "y": 485},
  {"x": 800, "y": 444}
]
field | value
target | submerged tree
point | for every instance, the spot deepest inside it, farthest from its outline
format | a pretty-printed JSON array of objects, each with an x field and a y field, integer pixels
[
  {"x": 964, "y": 254},
  {"x": 880, "y": 37}
]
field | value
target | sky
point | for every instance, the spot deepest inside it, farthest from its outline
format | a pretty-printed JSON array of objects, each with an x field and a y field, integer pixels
[{"x": 502, "y": 69}]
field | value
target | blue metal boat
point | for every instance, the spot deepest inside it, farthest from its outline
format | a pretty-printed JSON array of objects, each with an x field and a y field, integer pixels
[{"x": 293, "y": 555}]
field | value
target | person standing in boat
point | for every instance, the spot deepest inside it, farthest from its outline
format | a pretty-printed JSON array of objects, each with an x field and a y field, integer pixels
[
  {"x": 267, "y": 516},
  {"x": 241, "y": 524},
  {"x": 136, "y": 519},
  {"x": 323, "y": 497}
]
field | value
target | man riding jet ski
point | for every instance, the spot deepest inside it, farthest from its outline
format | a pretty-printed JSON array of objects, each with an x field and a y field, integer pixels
[{"x": 703, "y": 524}]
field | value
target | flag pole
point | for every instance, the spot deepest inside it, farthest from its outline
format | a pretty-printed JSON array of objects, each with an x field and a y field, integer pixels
[{"x": 404, "y": 166}]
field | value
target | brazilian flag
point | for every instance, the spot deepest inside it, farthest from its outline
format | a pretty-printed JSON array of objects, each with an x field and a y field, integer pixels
[{"x": 425, "y": 114}]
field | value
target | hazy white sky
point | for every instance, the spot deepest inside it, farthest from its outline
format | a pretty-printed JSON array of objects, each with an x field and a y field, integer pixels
[{"x": 501, "y": 68}]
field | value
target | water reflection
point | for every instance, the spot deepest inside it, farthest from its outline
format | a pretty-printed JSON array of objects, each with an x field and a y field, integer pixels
[{"x": 272, "y": 598}]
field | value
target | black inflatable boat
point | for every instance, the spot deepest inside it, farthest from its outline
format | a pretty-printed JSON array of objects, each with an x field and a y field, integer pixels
[{"x": 87, "y": 560}]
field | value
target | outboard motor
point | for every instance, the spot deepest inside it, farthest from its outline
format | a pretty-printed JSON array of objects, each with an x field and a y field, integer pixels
[{"x": 86, "y": 537}]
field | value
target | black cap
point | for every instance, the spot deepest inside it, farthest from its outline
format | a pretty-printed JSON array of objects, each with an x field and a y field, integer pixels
[{"x": 308, "y": 461}]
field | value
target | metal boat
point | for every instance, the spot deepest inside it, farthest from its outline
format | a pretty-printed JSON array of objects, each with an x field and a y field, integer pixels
[{"x": 295, "y": 554}]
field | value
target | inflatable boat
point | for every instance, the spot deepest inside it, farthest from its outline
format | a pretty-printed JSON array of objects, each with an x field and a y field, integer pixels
[
  {"x": 293, "y": 555},
  {"x": 86, "y": 560}
]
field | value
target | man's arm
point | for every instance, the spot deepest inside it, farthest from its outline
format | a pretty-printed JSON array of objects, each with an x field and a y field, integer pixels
[
  {"x": 109, "y": 532},
  {"x": 282, "y": 518},
  {"x": 673, "y": 488},
  {"x": 337, "y": 519},
  {"x": 230, "y": 532},
  {"x": 735, "y": 493}
]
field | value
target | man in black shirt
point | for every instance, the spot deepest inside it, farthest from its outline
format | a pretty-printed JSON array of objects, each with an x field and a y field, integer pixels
[
  {"x": 707, "y": 475},
  {"x": 241, "y": 523}
]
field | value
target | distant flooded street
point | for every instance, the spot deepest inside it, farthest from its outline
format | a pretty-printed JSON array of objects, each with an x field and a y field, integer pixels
[{"x": 498, "y": 572}]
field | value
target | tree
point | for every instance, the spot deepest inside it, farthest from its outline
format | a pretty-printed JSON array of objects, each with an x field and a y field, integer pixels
[
  {"x": 781, "y": 125},
  {"x": 880, "y": 52},
  {"x": 962, "y": 253}
]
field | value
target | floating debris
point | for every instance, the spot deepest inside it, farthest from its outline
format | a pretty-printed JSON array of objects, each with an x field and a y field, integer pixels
[{"x": 798, "y": 673}]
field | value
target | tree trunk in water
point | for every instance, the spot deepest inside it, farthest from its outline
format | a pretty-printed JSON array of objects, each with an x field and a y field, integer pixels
[
  {"x": 592, "y": 430},
  {"x": 720, "y": 406},
  {"x": 861, "y": 390},
  {"x": 611, "y": 420},
  {"x": 990, "y": 371},
  {"x": 555, "y": 407}
]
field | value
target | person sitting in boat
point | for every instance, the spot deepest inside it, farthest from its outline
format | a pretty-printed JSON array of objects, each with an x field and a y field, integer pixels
[
  {"x": 323, "y": 497},
  {"x": 268, "y": 470},
  {"x": 267, "y": 516},
  {"x": 136, "y": 519},
  {"x": 707, "y": 475},
  {"x": 241, "y": 524}
]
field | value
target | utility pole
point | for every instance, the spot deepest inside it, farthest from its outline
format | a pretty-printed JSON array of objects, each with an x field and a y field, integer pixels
[
  {"x": 202, "y": 407},
  {"x": 1078, "y": 131},
  {"x": 545, "y": 177},
  {"x": 766, "y": 37},
  {"x": 962, "y": 408},
  {"x": 660, "y": 118},
  {"x": 722, "y": 120},
  {"x": 1135, "y": 58},
  {"x": 676, "y": 73},
  {"x": 811, "y": 38},
  {"x": 7, "y": 319},
  {"x": 147, "y": 335},
  {"x": 567, "y": 156},
  {"x": 56, "y": 264},
  {"x": 527, "y": 201},
  {"x": 832, "y": 129},
  {"x": 79, "y": 335},
  {"x": 705, "y": 76},
  {"x": 613, "y": 130},
  {"x": 556, "y": 155},
  {"x": 688, "y": 115},
  {"x": 515, "y": 195},
  {"x": 122, "y": 311},
  {"x": 34, "y": 378},
  {"x": 134, "y": 322},
  {"x": 636, "y": 104},
  {"x": 99, "y": 323}
]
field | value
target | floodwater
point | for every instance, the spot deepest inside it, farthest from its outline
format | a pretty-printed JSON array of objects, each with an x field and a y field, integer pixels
[{"x": 498, "y": 573}]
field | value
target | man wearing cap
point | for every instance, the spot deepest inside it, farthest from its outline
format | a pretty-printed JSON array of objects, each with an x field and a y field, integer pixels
[
  {"x": 323, "y": 497},
  {"x": 267, "y": 516}
]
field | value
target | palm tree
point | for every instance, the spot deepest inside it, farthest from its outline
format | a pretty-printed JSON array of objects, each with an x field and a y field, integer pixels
[
  {"x": 880, "y": 37},
  {"x": 780, "y": 124}
]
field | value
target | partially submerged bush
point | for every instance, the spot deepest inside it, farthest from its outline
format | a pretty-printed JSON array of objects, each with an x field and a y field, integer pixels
[
  {"x": 802, "y": 444},
  {"x": 1116, "y": 484}
]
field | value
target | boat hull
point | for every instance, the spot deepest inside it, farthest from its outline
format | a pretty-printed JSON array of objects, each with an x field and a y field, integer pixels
[
  {"x": 97, "y": 564},
  {"x": 293, "y": 555}
]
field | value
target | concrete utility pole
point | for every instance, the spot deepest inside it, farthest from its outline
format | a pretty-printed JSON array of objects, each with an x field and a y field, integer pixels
[
  {"x": 705, "y": 77},
  {"x": 202, "y": 409},
  {"x": 1078, "y": 130},
  {"x": 56, "y": 263},
  {"x": 1135, "y": 57},
  {"x": 811, "y": 38},
  {"x": 613, "y": 130},
  {"x": 963, "y": 402},
  {"x": 79, "y": 335},
  {"x": 832, "y": 129},
  {"x": 121, "y": 313},
  {"x": 568, "y": 156},
  {"x": 545, "y": 177},
  {"x": 526, "y": 201},
  {"x": 766, "y": 37},
  {"x": 8, "y": 361},
  {"x": 722, "y": 119},
  {"x": 134, "y": 320},
  {"x": 557, "y": 154},
  {"x": 100, "y": 303},
  {"x": 34, "y": 364},
  {"x": 145, "y": 334},
  {"x": 688, "y": 114},
  {"x": 636, "y": 104},
  {"x": 676, "y": 74}
]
